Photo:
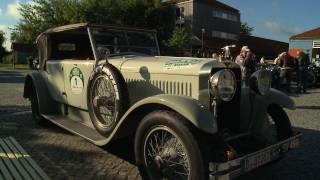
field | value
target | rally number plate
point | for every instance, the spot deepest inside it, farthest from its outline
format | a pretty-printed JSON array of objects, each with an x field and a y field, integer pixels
[{"x": 264, "y": 157}]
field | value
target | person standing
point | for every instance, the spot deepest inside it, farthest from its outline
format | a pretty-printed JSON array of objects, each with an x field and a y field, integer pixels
[
  {"x": 286, "y": 63},
  {"x": 247, "y": 63},
  {"x": 302, "y": 64}
]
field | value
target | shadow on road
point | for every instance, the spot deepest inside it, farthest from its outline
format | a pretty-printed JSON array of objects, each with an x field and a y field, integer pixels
[
  {"x": 308, "y": 107},
  {"x": 302, "y": 163},
  {"x": 63, "y": 155}
]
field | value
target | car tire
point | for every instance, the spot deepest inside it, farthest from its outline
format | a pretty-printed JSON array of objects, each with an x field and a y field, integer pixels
[
  {"x": 170, "y": 125},
  {"x": 116, "y": 105},
  {"x": 312, "y": 78},
  {"x": 281, "y": 120},
  {"x": 35, "y": 108}
]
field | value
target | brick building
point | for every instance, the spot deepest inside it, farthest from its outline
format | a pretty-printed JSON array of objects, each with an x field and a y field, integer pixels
[{"x": 215, "y": 23}]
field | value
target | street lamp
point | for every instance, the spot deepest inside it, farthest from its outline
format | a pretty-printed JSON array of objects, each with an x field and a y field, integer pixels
[{"x": 203, "y": 31}]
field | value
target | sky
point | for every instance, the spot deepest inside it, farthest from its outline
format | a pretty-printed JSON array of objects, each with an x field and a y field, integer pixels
[
  {"x": 273, "y": 19},
  {"x": 278, "y": 19}
]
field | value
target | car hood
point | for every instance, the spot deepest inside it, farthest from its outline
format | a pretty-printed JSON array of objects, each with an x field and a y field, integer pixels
[{"x": 166, "y": 64}]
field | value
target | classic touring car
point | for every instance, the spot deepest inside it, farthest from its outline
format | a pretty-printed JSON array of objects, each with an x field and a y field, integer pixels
[{"x": 190, "y": 118}]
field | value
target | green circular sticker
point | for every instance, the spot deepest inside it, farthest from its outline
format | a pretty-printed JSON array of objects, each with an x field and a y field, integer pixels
[{"x": 76, "y": 80}]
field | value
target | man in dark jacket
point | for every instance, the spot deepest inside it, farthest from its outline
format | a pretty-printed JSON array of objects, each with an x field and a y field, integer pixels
[
  {"x": 247, "y": 62},
  {"x": 286, "y": 63},
  {"x": 302, "y": 64}
]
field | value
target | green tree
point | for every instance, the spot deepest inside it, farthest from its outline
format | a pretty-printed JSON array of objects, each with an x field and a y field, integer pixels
[
  {"x": 179, "y": 39},
  {"x": 3, "y": 51},
  {"x": 44, "y": 14},
  {"x": 245, "y": 29}
]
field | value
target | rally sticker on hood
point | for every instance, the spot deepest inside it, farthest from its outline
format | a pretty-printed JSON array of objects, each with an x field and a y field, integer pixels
[
  {"x": 180, "y": 64},
  {"x": 76, "y": 80}
]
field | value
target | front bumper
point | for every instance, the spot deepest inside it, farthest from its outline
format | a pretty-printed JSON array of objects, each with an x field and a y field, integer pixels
[{"x": 244, "y": 164}]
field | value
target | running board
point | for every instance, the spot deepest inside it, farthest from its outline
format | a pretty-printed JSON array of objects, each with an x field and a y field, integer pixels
[{"x": 77, "y": 128}]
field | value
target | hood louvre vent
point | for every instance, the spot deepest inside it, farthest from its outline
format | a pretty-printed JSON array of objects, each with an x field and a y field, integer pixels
[
  {"x": 173, "y": 87},
  {"x": 162, "y": 87}
]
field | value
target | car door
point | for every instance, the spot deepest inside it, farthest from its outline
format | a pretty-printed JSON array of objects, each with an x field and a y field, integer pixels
[
  {"x": 77, "y": 73},
  {"x": 55, "y": 80}
]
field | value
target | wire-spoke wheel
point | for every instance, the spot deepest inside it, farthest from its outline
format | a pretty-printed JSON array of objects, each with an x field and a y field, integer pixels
[
  {"x": 165, "y": 154},
  {"x": 104, "y": 101},
  {"x": 166, "y": 149},
  {"x": 107, "y": 97}
]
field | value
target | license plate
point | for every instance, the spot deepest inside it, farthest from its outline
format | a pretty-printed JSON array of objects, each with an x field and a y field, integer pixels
[
  {"x": 260, "y": 159},
  {"x": 264, "y": 157}
]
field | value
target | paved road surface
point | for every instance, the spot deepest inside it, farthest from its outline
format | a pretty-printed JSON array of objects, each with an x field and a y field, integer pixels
[{"x": 66, "y": 156}]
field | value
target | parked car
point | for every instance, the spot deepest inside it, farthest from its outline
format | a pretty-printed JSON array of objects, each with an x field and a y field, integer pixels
[
  {"x": 190, "y": 118},
  {"x": 313, "y": 75},
  {"x": 275, "y": 74}
]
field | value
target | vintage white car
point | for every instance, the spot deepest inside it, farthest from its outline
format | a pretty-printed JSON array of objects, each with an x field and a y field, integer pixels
[{"x": 190, "y": 118}]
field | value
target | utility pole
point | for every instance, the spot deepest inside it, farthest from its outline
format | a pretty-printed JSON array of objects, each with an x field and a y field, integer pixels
[{"x": 202, "y": 34}]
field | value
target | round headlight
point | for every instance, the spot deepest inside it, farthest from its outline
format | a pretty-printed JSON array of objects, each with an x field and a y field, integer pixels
[
  {"x": 260, "y": 81},
  {"x": 223, "y": 83}
]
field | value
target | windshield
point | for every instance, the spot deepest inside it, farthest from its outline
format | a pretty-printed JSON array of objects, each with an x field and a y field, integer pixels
[{"x": 123, "y": 41}]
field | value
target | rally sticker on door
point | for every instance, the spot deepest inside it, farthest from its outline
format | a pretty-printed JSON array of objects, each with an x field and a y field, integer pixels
[{"x": 76, "y": 80}]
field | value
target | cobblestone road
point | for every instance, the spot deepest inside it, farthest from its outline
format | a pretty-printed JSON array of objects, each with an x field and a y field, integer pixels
[{"x": 66, "y": 156}]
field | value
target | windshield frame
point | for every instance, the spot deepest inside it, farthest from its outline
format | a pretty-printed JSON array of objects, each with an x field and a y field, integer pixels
[{"x": 95, "y": 50}]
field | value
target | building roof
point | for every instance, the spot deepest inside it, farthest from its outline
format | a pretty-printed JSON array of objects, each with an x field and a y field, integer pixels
[
  {"x": 262, "y": 46},
  {"x": 312, "y": 34},
  {"x": 211, "y": 2}
]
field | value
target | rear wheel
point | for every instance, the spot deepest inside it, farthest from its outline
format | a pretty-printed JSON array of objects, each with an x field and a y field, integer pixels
[{"x": 166, "y": 149}]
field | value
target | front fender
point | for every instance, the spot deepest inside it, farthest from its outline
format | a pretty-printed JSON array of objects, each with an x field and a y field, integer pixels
[
  {"x": 189, "y": 108},
  {"x": 277, "y": 97},
  {"x": 260, "y": 105}
]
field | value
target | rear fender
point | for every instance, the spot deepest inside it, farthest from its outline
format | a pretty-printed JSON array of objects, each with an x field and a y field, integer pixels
[{"x": 34, "y": 80}]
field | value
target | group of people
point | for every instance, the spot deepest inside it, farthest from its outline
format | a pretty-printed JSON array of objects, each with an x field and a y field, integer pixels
[
  {"x": 247, "y": 61},
  {"x": 288, "y": 64}
]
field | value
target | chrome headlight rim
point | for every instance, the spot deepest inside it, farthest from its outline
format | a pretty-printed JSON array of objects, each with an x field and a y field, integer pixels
[
  {"x": 258, "y": 82},
  {"x": 215, "y": 81}
]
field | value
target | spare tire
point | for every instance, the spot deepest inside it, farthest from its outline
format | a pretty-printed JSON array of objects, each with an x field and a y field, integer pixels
[{"x": 107, "y": 98}]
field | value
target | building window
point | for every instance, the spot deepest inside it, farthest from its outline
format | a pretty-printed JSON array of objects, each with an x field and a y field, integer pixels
[
  {"x": 180, "y": 16},
  {"x": 223, "y": 15},
  {"x": 224, "y": 35},
  {"x": 316, "y": 44}
]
